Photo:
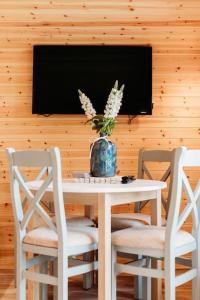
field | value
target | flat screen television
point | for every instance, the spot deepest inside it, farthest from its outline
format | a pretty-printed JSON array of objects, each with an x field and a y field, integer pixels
[{"x": 59, "y": 71}]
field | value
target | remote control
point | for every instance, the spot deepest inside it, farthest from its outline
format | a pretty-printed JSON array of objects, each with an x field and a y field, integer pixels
[{"x": 127, "y": 179}]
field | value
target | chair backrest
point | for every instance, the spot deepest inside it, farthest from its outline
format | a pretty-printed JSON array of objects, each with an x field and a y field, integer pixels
[
  {"x": 176, "y": 217},
  {"x": 43, "y": 160},
  {"x": 160, "y": 156}
]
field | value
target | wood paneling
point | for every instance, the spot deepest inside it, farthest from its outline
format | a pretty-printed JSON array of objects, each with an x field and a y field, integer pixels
[{"x": 173, "y": 30}]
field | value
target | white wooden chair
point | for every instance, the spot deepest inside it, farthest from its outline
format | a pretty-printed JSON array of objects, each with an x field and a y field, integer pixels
[
  {"x": 53, "y": 241},
  {"x": 137, "y": 218},
  {"x": 168, "y": 242}
]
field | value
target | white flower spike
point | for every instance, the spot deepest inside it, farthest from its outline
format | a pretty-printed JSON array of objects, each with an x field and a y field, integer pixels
[
  {"x": 114, "y": 102},
  {"x": 87, "y": 105}
]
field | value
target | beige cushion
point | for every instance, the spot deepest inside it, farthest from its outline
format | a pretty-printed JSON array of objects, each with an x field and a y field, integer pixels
[
  {"x": 44, "y": 236},
  {"x": 126, "y": 220},
  {"x": 76, "y": 221},
  {"x": 148, "y": 237},
  {"x": 79, "y": 221}
]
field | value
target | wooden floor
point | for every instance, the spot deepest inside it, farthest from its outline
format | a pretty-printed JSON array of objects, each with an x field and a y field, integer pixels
[{"x": 125, "y": 289}]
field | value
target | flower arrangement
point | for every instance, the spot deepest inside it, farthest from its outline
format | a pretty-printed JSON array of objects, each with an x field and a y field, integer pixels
[{"x": 103, "y": 124}]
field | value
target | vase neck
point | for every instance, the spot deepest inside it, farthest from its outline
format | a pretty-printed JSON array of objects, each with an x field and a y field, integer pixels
[{"x": 103, "y": 135}]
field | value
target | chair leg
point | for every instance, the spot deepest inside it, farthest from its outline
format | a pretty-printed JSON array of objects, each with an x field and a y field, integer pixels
[
  {"x": 146, "y": 294},
  {"x": 170, "y": 289},
  {"x": 156, "y": 283},
  {"x": 138, "y": 280},
  {"x": 88, "y": 277},
  {"x": 96, "y": 272},
  {"x": 20, "y": 281},
  {"x": 55, "y": 273},
  {"x": 196, "y": 280},
  {"x": 114, "y": 274},
  {"x": 44, "y": 287},
  {"x": 147, "y": 289},
  {"x": 36, "y": 285},
  {"x": 62, "y": 278}
]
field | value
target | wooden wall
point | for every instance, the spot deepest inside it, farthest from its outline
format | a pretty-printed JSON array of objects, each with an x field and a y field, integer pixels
[{"x": 173, "y": 30}]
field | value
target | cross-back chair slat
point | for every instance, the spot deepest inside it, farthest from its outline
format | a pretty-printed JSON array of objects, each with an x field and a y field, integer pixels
[
  {"x": 190, "y": 158},
  {"x": 154, "y": 156},
  {"x": 146, "y": 171},
  {"x": 191, "y": 206},
  {"x": 34, "y": 205},
  {"x": 34, "y": 199},
  {"x": 43, "y": 171},
  {"x": 166, "y": 174},
  {"x": 22, "y": 177}
]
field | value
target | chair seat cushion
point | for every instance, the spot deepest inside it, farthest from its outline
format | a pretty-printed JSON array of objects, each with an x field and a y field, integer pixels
[
  {"x": 76, "y": 221},
  {"x": 46, "y": 237},
  {"x": 148, "y": 237},
  {"x": 126, "y": 220},
  {"x": 79, "y": 221}
]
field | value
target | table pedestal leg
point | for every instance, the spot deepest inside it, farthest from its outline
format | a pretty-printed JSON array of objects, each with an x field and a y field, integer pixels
[{"x": 104, "y": 219}]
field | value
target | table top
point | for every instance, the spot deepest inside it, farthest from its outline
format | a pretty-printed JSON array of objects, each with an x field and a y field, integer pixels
[{"x": 138, "y": 185}]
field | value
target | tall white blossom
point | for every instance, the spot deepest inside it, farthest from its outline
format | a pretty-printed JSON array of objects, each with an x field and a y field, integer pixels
[
  {"x": 87, "y": 105},
  {"x": 114, "y": 102}
]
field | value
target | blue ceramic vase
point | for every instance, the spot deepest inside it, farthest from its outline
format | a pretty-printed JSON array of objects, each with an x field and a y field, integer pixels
[{"x": 103, "y": 158}]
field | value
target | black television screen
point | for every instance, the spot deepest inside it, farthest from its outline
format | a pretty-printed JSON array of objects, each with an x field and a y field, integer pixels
[{"x": 59, "y": 71}]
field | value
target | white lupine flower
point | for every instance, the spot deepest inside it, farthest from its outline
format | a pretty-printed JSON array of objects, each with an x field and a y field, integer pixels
[
  {"x": 87, "y": 105},
  {"x": 114, "y": 102}
]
